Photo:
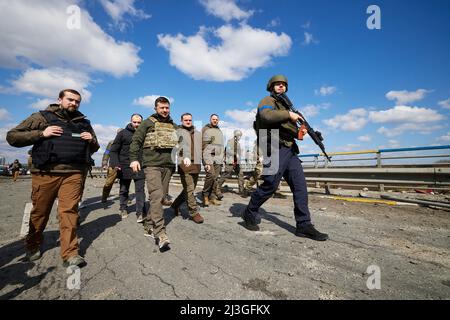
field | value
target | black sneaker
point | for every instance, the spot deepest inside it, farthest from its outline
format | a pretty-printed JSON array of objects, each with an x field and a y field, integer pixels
[
  {"x": 249, "y": 225},
  {"x": 311, "y": 233}
]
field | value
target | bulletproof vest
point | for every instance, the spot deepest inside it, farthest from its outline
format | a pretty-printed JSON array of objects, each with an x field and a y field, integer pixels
[
  {"x": 68, "y": 148},
  {"x": 161, "y": 135}
]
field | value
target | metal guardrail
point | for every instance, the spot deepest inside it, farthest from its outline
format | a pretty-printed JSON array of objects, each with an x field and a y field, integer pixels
[
  {"x": 359, "y": 171},
  {"x": 371, "y": 171}
]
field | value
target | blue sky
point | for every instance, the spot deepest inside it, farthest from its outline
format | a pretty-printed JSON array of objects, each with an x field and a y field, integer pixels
[{"x": 364, "y": 89}]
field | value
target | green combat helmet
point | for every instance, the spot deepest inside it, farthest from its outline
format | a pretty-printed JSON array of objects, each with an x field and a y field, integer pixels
[{"x": 277, "y": 78}]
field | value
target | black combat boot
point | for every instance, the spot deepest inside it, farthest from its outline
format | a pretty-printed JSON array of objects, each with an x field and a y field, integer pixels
[
  {"x": 248, "y": 224},
  {"x": 310, "y": 232}
]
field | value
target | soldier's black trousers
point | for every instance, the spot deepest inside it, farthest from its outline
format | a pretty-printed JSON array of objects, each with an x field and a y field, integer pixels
[{"x": 290, "y": 168}]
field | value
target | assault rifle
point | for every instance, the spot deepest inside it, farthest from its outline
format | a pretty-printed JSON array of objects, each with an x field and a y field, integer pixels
[{"x": 315, "y": 135}]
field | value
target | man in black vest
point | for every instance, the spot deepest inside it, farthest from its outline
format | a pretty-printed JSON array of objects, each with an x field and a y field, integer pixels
[{"x": 63, "y": 142}]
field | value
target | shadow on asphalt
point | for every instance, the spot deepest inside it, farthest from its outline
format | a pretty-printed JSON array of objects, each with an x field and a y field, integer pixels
[
  {"x": 90, "y": 231},
  {"x": 17, "y": 273},
  {"x": 236, "y": 210}
]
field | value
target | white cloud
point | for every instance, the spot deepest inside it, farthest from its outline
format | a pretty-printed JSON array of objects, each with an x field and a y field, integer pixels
[
  {"x": 408, "y": 127},
  {"x": 149, "y": 101},
  {"x": 11, "y": 153},
  {"x": 404, "y": 97},
  {"x": 393, "y": 144},
  {"x": 4, "y": 114},
  {"x": 48, "y": 82},
  {"x": 241, "y": 51},
  {"x": 350, "y": 147},
  {"x": 365, "y": 138},
  {"x": 354, "y": 120},
  {"x": 445, "y": 104},
  {"x": 41, "y": 104},
  {"x": 325, "y": 91},
  {"x": 104, "y": 133},
  {"x": 225, "y": 9},
  {"x": 309, "y": 38},
  {"x": 445, "y": 138},
  {"x": 274, "y": 23},
  {"x": 312, "y": 110},
  {"x": 117, "y": 9},
  {"x": 405, "y": 114},
  {"x": 36, "y": 33},
  {"x": 244, "y": 118},
  {"x": 248, "y": 134}
]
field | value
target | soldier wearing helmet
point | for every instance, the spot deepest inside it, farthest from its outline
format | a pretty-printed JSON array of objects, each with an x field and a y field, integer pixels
[
  {"x": 232, "y": 161},
  {"x": 280, "y": 125}
]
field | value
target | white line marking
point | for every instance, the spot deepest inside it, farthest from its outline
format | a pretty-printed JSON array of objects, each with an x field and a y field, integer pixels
[{"x": 26, "y": 219}]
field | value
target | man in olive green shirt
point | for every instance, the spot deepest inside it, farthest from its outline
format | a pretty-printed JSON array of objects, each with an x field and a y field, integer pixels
[
  {"x": 213, "y": 154},
  {"x": 157, "y": 137}
]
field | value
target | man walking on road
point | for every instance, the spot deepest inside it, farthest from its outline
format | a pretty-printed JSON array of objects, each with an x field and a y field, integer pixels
[
  {"x": 120, "y": 161},
  {"x": 155, "y": 138},
  {"x": 63, "y": 142},
  {"x": 232, "y": 162},
  {"x": 213, "y": 153},
  {"x": 280, "y": 124},
  {"x": 189, "y": 156},
  {"x": 15, "y": 168},
  {"x": 111, "y": 173}
]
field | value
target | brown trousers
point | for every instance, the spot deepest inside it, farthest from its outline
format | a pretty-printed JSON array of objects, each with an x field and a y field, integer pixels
[
  {"x": 111, "y": 176},
  {"x": 15, "y": 175},
  {"x": 158, "y": 180},
  {"x": 45, "y": 188},
  {"x": 210, "y": 188},
  {"x": 189, "y": 182}
]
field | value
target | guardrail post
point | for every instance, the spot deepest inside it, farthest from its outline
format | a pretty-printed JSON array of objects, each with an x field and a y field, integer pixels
[
  {"x": 327, "y": 188},
  {"x": 379, "y": 165},
  {"x": 316, "y": 162}
]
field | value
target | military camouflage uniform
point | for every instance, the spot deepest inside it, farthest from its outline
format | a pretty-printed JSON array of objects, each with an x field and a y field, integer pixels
[
  {"x": 232, "y": 164},
  {"x": 111, "y": 173}
]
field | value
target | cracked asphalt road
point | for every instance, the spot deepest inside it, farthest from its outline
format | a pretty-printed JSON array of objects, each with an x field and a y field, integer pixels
[{"x": 219, "y": 259}]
